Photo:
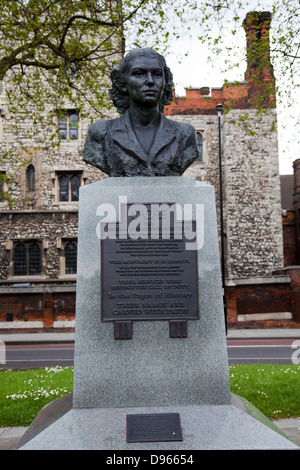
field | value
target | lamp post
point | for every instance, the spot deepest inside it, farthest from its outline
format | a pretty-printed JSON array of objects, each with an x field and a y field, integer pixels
[{"x": 220, "y": 109}]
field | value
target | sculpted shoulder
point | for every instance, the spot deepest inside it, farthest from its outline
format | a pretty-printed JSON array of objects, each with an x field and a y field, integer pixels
[
  {"x": 182, "y": 127},
  {"x": 99, "y": 128}
]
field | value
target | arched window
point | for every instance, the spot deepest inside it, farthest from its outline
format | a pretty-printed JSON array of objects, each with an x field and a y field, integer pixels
[
  {"x": 30, "y": 178},
  {"x": 200, "y": 146}
]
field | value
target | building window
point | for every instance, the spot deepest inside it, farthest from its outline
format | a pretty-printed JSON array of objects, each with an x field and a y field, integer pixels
[
  {"x": 68, "y": 186},
  {"x": 200, "y": 146},
  {"x": 72, "y": 72},
  {"x": 30, "y": 179},
  {"x": 68, "y": 125},
  {"x": 2, "y": 185},
  {"x": 1, "y": 123},
  {"x": 70, "y": 253},
  {"x": 27, "y": 258}
]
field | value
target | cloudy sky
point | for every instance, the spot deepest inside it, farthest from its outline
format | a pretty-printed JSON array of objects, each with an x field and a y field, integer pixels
[{"x": 196, "y": 70}]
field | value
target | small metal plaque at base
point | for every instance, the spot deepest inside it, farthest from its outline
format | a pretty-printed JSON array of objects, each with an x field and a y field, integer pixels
[{"x": 156, "y": 427}]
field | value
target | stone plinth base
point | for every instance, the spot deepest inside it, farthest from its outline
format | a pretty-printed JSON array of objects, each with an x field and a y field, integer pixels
[{"x": 238, "y": 426}]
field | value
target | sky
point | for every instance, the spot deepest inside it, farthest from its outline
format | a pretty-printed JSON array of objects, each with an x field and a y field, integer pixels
[{"x": 196, "y": 70}]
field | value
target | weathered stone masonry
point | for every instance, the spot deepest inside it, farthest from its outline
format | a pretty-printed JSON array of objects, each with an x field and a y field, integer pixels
[
  {"x": 251, "y": 189},
  {"x": 49, "y": 227}
]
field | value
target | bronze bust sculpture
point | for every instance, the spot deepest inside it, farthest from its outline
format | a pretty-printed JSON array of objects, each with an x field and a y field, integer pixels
[{"x": 142, "y": 142}]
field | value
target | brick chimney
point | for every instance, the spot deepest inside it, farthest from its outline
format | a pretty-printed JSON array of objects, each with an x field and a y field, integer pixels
[
  {"x": 257, "y": 29},
  {"x": 296, "y": 205},
  {"x": 296, "y": 195}
]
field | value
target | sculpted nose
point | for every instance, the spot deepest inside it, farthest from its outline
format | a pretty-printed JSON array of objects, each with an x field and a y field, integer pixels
[{"x": 149, "y": 78}]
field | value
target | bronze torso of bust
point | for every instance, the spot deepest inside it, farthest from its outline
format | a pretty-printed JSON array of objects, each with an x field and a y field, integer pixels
[
  {"x": 142, "y": 142},
  {"x": 114, "y": 147}
]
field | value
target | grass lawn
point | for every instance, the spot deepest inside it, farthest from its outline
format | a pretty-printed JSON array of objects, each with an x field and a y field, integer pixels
[
  {"x": 23, "y": 393},
  {"x": 273, "y": 389}
]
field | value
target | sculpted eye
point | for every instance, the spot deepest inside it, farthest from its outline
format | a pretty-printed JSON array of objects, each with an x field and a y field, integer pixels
[{"x": 138, "y": 72}]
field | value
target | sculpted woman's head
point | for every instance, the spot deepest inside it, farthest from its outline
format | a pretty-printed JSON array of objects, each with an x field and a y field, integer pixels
[{"x": 119, "y": 76}]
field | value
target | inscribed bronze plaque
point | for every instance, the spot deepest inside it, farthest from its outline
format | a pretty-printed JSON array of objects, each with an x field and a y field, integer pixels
[
  {"x": 147, "y": 272},
  {"x": 154, "y": 427}
]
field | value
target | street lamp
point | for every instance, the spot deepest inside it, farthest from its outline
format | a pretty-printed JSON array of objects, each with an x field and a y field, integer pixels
[{"x": 220, "y": 109}]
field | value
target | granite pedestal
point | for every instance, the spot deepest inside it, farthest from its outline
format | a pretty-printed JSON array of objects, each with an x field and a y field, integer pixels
[{"x": 150, "y": 373}]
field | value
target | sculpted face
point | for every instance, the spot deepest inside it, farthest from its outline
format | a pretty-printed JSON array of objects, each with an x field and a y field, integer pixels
[{"x": 145, "y": 80}]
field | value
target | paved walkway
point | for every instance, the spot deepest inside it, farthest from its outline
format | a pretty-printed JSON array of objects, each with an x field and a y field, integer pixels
[{"x": 9, "y": 437}]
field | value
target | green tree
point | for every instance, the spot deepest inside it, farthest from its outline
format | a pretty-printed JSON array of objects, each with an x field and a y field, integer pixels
[
  {"x": 52, "y": 50},
  {"x": 219, "y": 29},
  {"x": 55, "y": 51},
  {"x": 57, "y": 54}
]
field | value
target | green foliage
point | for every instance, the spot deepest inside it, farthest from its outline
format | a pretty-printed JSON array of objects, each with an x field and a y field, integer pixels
[
  {"x": 57, "y": 55},
  {"x": 58, "y": 51},
  {"x": 223, "y": 20}
]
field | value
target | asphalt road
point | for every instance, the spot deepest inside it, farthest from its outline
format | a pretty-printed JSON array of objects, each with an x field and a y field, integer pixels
[
  {"x": 33, "y": 356},
  {"x": 276, "y": 351},
  {"x": 247, "y": 351}
]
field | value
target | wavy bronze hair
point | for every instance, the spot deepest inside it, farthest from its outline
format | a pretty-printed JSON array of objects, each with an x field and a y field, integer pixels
[{"x": 120, "y": 97}]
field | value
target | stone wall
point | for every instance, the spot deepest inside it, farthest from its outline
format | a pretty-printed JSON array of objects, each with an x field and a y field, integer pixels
[
  {"x": 251, "y": 187},
  {"x": 48, "y": 227},
  {"x": 252, "y": 196}
]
